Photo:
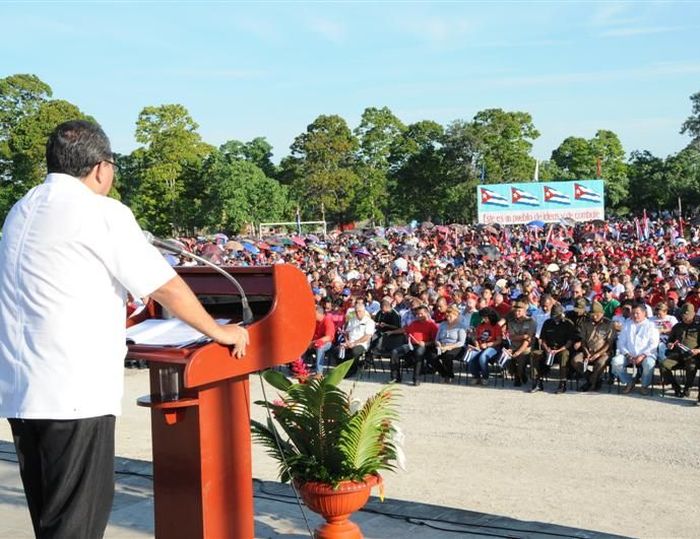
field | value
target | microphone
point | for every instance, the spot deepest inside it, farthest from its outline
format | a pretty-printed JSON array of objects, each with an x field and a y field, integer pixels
[{"x": 173, "y": 247}]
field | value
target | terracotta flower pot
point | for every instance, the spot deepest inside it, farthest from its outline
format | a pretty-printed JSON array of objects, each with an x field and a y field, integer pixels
[{"x": 336, "y": 505}]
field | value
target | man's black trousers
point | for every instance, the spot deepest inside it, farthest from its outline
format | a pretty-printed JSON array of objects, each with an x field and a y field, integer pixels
[{"x": 67, "y": 468}]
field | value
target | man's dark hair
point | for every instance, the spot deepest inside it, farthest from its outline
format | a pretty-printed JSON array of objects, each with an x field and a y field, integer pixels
[
  {"x": 75, "y": 147},
  {"x": 639, "y": 305},
  {"x": 490, "y": 314}
]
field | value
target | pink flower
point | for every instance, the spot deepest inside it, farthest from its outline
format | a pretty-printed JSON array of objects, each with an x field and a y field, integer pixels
[{"x": 299, "y": 370}]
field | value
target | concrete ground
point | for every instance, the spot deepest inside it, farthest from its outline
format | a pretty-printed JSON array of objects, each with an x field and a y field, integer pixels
[{"x": 482, "y": 461}]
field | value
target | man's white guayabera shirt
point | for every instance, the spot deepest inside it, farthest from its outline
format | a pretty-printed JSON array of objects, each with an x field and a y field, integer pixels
[{"x": 67, "y": 259}]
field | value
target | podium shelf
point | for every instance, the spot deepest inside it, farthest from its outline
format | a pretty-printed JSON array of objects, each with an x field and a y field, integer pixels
[{"x": 147, "y": 402}]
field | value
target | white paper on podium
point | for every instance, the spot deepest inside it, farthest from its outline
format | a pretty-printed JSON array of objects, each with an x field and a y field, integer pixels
[{"x": 170, "y": 332}]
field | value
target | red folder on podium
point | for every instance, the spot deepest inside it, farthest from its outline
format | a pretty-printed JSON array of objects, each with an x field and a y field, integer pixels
[{"x": 202, "y": 471}]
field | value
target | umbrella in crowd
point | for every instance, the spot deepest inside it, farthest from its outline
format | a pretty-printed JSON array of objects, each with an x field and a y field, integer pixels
[
  {"x": 408, "y": 250},
  {"x": 299, "y": 241},
  {"x": 490, "y": 251},
  {"x": 536, "y": 224},
  {"x": 233, "y": 245},
  {"x": 251, "y": 248}
]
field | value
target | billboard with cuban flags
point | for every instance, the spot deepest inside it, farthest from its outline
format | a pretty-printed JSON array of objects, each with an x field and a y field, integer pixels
[{"x": 516, "y": 203}]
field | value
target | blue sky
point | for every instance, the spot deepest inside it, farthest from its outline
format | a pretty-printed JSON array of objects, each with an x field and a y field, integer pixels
[{"x": 269, "y": 68}]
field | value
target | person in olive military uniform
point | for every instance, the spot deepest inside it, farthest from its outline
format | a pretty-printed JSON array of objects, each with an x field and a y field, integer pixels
[
  {"x": 683, "y": 351},
  {"x": 578, "y": 313},
  {"x": 597, "y": 336},
  {"x": 521, "y": 333},
  {"x": 557, "y": 335}
]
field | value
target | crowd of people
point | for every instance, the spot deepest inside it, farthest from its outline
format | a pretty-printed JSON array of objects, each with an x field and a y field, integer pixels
[{"x": 589, "y": 297}]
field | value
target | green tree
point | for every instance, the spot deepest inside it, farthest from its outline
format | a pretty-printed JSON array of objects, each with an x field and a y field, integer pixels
[
  {"x": 462, "y": 150},
  {"x": 378, "y": 134},
  {"x": 682, "y": 177},
  {"x": 608, "y": 148},
  {"x": 20, "y": 96},
  {"x": 27, "y": 148},
  {"x": 238, "y": 192},
  {"x": 577, "y": 158},
  {"x": 418, "y": 181},
  {"x": 172, "y": 152},
  {"x": 648, "y": 187},
  {"x": 505, "y": 140},
  {"x": 549, "y": 171},
  {"x": 257, "y": 151},
  {"x": 692, "y": 125},
  {"x": 321, "y": 169}
]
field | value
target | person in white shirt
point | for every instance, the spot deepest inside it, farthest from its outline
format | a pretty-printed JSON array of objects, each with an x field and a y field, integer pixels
[
  {"x": 664, "y": 322},
  {"x": 68, "y": 257},
  {"x": 637, "y": 345},
  {"x": 359, "y": 329}
]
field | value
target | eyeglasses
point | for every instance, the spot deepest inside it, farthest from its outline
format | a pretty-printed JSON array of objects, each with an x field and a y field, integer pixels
[{"x": 114, "y": 165}]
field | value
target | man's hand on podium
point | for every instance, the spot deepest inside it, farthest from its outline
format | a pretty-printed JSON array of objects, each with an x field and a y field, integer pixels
[
  {"x": 233, "y": 335},
  {"x": 179, "y": 299}
]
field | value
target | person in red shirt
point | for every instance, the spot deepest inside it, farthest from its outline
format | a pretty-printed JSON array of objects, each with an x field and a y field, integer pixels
[
  {"x": 693, "y": 297},
  {"x": 500, "y": 305},
  {"x": 489, "y": 336},
  {"x": 336, "y": 313},
  {"x": 421, "y": 334},
  {"x": 440, "y": 310},
  {"x": 321, "y": 342}
]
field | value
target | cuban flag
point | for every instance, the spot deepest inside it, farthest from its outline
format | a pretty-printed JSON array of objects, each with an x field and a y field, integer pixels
[
  {"x": 490, "y": 197},
  {"x": 552, "y": 195},
  {"x": 583, "y": 193},
  {"x": 523, "y": 197}
]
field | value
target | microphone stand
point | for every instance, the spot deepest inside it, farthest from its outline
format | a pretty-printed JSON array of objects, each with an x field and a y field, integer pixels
[{"x": 173, "y": 248}]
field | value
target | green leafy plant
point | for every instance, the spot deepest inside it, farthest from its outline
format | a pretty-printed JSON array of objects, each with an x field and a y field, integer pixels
[{"x": 319, "y": 434}]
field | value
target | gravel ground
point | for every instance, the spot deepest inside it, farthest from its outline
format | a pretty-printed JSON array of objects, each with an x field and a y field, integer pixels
[{"x": 628, "y": 465}]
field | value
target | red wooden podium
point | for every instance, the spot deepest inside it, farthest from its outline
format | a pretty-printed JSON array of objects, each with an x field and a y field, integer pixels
[{"x": 203, "y": 484}]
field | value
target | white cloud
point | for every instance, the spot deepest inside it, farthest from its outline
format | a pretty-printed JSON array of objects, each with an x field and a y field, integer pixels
[
  {"x": 514, "y": 44},
  {"x": 437, "y": 30},
  {"x": 262, "y": 29},
  {"x": 612, "y": 14},
  {"x": 644, "y": 72},
  {"x": 641, "y": 30},
  {"x": 215, "y": 73},
  {"x": 328, "y": 29}
]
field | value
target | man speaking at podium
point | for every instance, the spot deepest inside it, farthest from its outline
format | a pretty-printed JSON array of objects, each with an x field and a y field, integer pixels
[{"x": 68, "y": 257}]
